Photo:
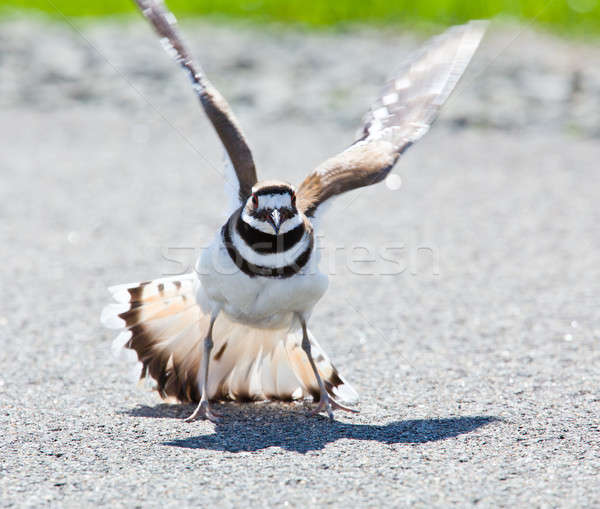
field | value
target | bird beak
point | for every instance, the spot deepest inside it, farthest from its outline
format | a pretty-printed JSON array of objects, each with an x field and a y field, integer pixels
[{"x": 275, "y": 221}]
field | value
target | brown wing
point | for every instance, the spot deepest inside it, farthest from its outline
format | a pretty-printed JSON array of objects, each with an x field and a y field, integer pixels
[
  {"x": 405, "y": 110},
  {"x": 214, "y": 103}
]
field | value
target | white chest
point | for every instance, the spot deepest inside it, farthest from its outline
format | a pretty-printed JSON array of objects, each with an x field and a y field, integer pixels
[{"x": 264, "y": 301}]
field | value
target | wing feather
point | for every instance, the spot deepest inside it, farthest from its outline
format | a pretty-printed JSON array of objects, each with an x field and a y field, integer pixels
[
  {"x": 405, "y": 110},
  {"x": 215, "y": 106}
]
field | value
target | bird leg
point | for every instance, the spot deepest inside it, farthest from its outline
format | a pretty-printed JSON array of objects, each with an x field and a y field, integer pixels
[
  {"x": 203, "y": 410},
  {"x": 326, "y": 402}
]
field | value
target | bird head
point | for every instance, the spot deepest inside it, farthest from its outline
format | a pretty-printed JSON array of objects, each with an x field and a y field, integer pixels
[{"x": 271, "y": 208}]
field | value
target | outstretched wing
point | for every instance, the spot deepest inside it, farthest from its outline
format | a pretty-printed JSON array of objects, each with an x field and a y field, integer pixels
[
  {"x": 214, "y": 103},
  {"x": 407, "y": 107}
]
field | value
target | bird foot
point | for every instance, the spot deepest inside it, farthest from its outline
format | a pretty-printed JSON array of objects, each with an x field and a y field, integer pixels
[
  {"x": 329, "y": 405},
  {"x": 204, "y": 411}
]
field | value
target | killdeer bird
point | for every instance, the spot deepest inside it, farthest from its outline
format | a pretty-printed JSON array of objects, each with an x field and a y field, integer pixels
[{"x": 237, "y": 327}]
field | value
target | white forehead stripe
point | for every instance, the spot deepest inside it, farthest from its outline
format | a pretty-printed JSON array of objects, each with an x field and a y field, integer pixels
[{"x": 274, "y": 201}]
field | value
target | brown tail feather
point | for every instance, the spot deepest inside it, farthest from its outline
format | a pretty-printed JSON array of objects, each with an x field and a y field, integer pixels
[{"x": 166, "y": 328}]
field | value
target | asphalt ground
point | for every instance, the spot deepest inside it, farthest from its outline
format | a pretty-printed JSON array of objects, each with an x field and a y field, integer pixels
[{"x": 474, "y": 350}]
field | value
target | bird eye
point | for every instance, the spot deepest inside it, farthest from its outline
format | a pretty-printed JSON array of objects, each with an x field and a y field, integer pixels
[
  {"x": 254, "y": 201},
  {"x": 293, "y": 199}
]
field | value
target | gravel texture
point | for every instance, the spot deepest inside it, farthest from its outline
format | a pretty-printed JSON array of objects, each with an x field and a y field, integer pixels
[{"x": 475, "y": 353}]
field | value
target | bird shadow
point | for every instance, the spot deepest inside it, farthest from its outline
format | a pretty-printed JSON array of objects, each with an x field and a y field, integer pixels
[{"x": 247, "y": 428}]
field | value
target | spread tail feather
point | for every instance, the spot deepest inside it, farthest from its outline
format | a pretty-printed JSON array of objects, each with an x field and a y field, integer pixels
[{"x": 164, "y": 325}]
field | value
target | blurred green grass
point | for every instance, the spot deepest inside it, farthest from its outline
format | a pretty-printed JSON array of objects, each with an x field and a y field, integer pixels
[{"x": 562, "y": 15}]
